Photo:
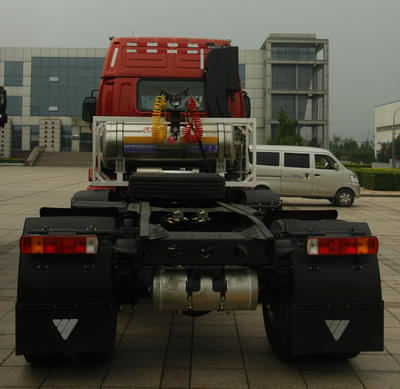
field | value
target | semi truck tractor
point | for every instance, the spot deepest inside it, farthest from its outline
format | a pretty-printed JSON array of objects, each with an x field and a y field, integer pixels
[{"x": 171, "y": 215}]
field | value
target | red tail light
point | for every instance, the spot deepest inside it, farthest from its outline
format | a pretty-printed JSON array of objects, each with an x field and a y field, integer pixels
[
  {"x": 58, "y": 244},
  {"x": 342, "y": 246}
]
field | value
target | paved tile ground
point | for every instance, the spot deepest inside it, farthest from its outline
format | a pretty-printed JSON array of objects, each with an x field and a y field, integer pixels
[{"x": 162, "y": 350}]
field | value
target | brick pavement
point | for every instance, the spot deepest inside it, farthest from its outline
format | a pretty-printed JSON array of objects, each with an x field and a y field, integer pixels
[{"x": 164, "y": 350}]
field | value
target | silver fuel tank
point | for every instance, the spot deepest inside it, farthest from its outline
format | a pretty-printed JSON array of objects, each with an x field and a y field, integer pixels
[{"x": 132, "y": 139}]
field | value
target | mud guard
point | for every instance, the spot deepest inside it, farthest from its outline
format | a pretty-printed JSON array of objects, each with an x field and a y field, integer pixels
[
  {"x": 65, "y": 303},
  {"x": 337, "y": 305}
]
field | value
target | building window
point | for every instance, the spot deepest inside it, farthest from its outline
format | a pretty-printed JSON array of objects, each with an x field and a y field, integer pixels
[
  {"x": 285, "y": 102},
  {"x": 34, "y": 137},
  {"x": 242, "y": 74},
  {"x": 14, "y": 105},
  {"x": 16, "y": 138},
  {"x": 284, "y": 77},
  {"x": 290, "y": 52},
  {"x": 305, "y": 76},
  {"x": 13, "y": 73},
  {"x": 66, "y": 134},
  {"x": 63, "y": 82}
]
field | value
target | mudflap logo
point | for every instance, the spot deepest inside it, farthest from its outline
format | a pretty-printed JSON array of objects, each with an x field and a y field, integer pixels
[
  {"x": 337, "y": 327},
  {"x": 65, "y": 326}
]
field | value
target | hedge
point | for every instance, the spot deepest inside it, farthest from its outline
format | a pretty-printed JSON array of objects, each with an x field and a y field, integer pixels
[
  {"x": 378, "y": 179},
  {"x": 12, "y": 160},
  {"x": 356, "y": 165}
]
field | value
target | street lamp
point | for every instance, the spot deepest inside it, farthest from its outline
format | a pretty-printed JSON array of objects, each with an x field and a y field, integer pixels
[{"x": 393, "y": 139}]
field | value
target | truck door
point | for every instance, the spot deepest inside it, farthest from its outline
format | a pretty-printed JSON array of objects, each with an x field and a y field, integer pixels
[
  {"x": 327, "y": 176},
  {"x": 296, "y": 174}
]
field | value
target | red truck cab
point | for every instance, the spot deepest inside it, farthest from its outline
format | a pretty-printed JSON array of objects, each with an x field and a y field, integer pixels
[{"x": 137, "y": 69}]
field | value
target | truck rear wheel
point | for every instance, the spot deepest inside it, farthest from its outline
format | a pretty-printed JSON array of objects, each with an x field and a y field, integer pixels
[
  {"x": 277, "y": 321},
  {"x": 43, "y": 359}
]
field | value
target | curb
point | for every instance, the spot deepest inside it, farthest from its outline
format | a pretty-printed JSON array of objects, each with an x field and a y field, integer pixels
[{"x": 379, "y": 195}]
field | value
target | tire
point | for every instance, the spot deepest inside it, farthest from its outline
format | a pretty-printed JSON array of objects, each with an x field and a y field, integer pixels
[
  {"x": 341, "y": 356},
  {"x": 344, "y": 198},
  {"x": 278, "y": 323},
  {"x": 43, "y": 359}
]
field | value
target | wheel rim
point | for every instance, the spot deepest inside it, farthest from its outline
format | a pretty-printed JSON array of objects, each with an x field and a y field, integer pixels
[{"x": 345, "y": 198}]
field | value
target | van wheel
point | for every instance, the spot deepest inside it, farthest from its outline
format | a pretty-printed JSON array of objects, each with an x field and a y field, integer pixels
[{"x": 344, "y": 198}]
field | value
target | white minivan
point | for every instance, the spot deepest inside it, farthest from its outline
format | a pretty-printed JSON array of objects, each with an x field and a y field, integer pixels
[{"x": 305, "y": 172}]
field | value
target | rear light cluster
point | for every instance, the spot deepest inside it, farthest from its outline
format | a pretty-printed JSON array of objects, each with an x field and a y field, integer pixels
[
  {"x": 342, "y": 246},
  {"x": 59, "y": 244}
]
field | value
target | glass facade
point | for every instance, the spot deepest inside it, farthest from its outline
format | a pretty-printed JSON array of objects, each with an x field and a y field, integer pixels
[
  {"x": 16, "y": 138},
  {"x": 285, "y": 102},
  {"x": 66, "y": 136},
  {"x": 290, "y": 52},
  {"x": 242, "y": 74},
  {"x": 59, "y": 84},
  {"x": 34, "y": 139},
  {"x": 13, "y": 73},
  {"x": 14, "y": 105}
]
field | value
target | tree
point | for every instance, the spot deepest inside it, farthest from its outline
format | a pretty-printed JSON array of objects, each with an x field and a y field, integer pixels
[
  {"x": 385, "y": 152},
  {"x": 287, "y": 131},
  {"x": 347, "y": 149}
]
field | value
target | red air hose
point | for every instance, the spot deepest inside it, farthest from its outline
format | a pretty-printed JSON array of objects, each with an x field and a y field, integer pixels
[{"x": 193, "y": 131}]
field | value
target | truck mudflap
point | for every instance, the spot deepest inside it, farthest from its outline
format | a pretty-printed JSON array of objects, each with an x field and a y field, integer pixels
[
  {"x": 337, "y": 329},
  {"x": 65, "y": 303},
  {"x": 69, "y": 330},
  {"x": 327, "y": 304}
]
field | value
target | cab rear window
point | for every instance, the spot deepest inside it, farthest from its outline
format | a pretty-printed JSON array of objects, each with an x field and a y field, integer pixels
[{"x": 149, "y": 89}]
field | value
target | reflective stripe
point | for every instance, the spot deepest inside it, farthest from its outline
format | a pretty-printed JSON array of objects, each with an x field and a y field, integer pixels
[
  {"x": 337, "y": 327},
  {"x": 131, "y": 50},
  {"x": 151, "y": 51},
  {"x": 65, "y": 326},
  {"x": 202, "y": 59},
  {"x": 192, "y": 52},
  {"x": 152, "y": 44},
  {"x": 193, "y": 45},
  {"x": 131, "y": 44},
  {"x": 114, "y": 57},
  {"x": 172, "y": 44},
  {"x": 172, "y": 51}
]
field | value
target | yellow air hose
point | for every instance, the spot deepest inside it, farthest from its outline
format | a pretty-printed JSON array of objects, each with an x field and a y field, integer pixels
[{"x": 158, "y": 124}]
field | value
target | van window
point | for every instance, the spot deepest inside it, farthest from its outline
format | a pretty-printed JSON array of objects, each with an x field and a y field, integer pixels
[
  {"x": 324, "y": 162},
  {"x": 267, "y": 158},
  {"x": 297, "y": 160}
]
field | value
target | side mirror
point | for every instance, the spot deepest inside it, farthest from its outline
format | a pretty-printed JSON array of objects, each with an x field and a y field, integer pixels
[
  {"x": 89, "y": 108},
  {"x": 3, "y": 106}
]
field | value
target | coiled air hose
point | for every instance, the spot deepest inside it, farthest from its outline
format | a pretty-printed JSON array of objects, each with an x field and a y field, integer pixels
[
  {"x": 158, "y": 124},
  {"x": 193, "y": 131}
]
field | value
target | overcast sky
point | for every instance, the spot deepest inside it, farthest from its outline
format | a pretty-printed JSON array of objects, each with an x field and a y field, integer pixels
[{"x": 364, "y": 37}]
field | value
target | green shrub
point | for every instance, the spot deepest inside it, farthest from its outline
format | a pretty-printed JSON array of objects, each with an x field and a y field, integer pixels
[
  {"x": 12, "y": 160},
  {"x": 356, "y": 165},
  {"x": 378, "y": 179}
]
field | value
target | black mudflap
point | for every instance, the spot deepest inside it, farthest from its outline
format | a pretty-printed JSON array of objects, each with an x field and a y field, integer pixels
[
  {"x": 336, "y": 303},
  {"x": 337, "y": 329},
  {"x": 65, "y": 330},
  {"x": 65, "y": 303}
]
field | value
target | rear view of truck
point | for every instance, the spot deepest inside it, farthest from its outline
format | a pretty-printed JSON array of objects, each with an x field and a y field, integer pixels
[{"x": 171, "y": 213}]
